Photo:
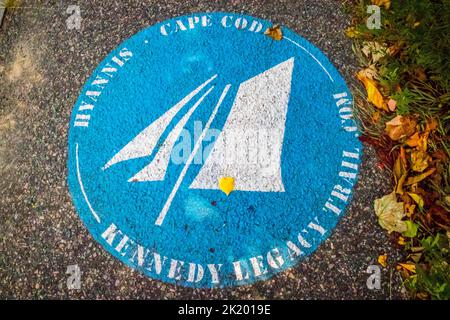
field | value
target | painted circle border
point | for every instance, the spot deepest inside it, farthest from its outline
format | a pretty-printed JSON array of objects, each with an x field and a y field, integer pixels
[{"x": 343, "y": 99}]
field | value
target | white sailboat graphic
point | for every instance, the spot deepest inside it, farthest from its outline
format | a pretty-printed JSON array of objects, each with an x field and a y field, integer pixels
[
  {"x": 144, "y": 143},
  {"x": 260, "y": 106}
]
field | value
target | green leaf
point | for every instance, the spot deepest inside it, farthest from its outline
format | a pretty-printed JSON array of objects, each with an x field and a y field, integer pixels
[{"x": 411, "y": 229}]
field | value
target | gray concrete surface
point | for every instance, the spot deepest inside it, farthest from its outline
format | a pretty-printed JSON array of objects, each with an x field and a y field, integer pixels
[{"x": 43, "y": 66}]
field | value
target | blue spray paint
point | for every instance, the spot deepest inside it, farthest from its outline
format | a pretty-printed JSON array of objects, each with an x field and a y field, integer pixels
[{"x": 209, "y": 239}]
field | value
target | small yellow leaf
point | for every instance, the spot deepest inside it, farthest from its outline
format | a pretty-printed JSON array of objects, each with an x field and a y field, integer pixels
[
  {"x": 420, "y": 177},
  {"x": 407, "y": 266},
  {"x": 352, "y": 32},
  {"x": 419, "y": 161},
  {"x": 400, "y": 182},
  {"x": 274, "y": 32},
  {"x": 382, "y": 260},
  {"x": 385, "y": 3},
  {"x": 401, "y": 241},
  {"x": 420, "y": 141},
  {"x": 417, "y": 199},
  {"x": 409, "y": 209},
  {"x": 226, "y": 184},
  {"x": 414, "y": 140},
  {"x": 401, "y": 165},
  {"x": 390, "y": 213},
  {"x": 373, "y": 94}
]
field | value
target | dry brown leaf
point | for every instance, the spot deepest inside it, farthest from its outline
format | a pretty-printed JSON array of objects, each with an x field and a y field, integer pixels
[
  {"x": 431, "y": 125},
  {"x": 400, "y": 127},
  {"x": 369, "y": 72},
  {"x": 410, "y": 267},
  {"x": 373, "y": 50},
  {"x": 274, "y": 32},
  {"x": 390, "y": 213},
  {"x": 400, "y": 165},
  {"x": 420, "y": 74},
  {"x": 394, "y": 49},
  {"x": 376, "y": 117},
  {"x": 400, "y": 183},
  {"x": 440, "y": 155},
  {"x": 420, "y": 177}
]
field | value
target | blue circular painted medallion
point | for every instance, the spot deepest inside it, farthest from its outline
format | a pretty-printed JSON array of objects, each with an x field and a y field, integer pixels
[{"x": 208, "y": 154}]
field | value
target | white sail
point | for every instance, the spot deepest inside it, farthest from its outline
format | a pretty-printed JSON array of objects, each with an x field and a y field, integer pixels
[
  {"x": 144, "y": 143},
  {"x": 156, "y": 170},
  {"x": 249, "y": 146},
  {"x": 166, "y": 207}
]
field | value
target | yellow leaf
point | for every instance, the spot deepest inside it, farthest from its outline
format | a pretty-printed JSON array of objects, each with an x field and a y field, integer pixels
[
  {"x": 400, "y": 127},
  {"x": 373, "y": 94},
  {"x": 432, "y": 124},
  {"x": 407, "y": 266},
  {"x": 414, "y": 140},
  {"x": 401, "y": 241},
  {"x": 226, "y": 184},
  {"x": 274, "y": 32},
  {"x": 419, "y": 161},
  {"x": 376, "y": 116},
  {"x": 417, "y": 199},
  {"x": 420, "y": 177},
  {"x": 385, "y": 3},
  {"x": 398, "y": 170},
  {"x": 420, "y": 141},
  {"x": 352, "y": 32},
  {"x": 400, "y": 166},
  {"x": 400, "y": 182},
  {"x": 409, "y": 209},
  {"x": 390, "y": 213},
  {"x": 382, "y": 260}
]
